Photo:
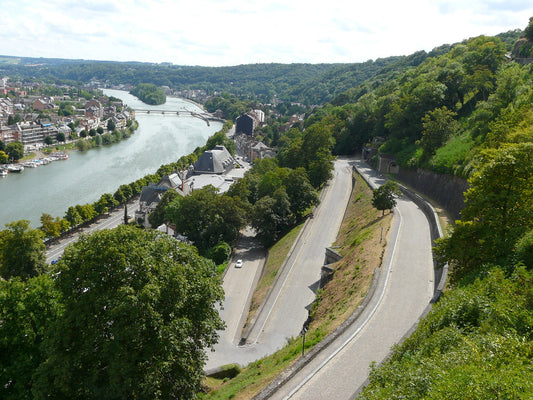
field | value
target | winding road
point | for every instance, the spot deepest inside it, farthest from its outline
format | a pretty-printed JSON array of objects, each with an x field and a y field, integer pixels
[
  {"x": 285, "y": 310},
  {"x": 405, "y": 288}
]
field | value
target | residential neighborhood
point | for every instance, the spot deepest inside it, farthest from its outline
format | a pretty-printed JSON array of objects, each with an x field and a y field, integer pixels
[{"x": 29, "y": 117}]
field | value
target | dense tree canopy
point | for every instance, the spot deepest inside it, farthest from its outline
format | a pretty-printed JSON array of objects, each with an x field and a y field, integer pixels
[
  {"x": 22, "y": 251},
  {"x": 149, "y": 93},
  {"x": 498, "y": 211},
  {"x": 157, "y": 217},
  {"x": 207, "y": 218},
  {"x": 27, "y": 308},
  {"x": 139, "y": 310},
  {"x": 15, "y": 151}
]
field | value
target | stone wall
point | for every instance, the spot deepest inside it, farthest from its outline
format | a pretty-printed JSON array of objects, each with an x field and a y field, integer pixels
[{"x": 447, "y": 190}]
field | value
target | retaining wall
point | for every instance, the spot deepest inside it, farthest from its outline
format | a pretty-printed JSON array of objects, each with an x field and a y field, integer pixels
[{"x": 447, "y": 190}]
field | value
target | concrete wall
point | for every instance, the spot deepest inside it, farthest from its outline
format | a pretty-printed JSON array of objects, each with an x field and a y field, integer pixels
[{"x": 447, "y": 190}]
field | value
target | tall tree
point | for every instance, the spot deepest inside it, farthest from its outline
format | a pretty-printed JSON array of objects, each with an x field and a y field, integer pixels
[
  {"x": 22, "y": 251},
  {"x": 301, "y": 193},
  {"x": 438, "y": 126},
  {"x": 498, "y": 211},
  {"x": 26, "y": 310},
  {"x": 206, "y": 218},
  {"x": 157, "y": 217},
  {"x": 15, "y": 150},
  {"x": 272, "y": 216},
  {"x": 139, "y": 312},
  {"x": 53, "y": 228}
]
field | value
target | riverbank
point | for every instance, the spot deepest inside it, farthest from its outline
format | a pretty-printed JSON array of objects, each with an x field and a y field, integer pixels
[{"x": 159, "y": 139}]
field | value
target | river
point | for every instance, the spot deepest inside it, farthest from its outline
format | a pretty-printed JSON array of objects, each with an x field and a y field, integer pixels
[{"x": 85, "y": 176}]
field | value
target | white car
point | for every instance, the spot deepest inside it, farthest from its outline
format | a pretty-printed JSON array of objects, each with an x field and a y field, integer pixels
[{"x": 238, "y": 264}]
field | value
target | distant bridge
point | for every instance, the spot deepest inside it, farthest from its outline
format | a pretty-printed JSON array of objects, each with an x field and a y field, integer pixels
[{"x": 203, "y": 116}]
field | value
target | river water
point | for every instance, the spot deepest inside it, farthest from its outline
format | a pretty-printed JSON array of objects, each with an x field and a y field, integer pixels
[{"x": 85, "y": 176}]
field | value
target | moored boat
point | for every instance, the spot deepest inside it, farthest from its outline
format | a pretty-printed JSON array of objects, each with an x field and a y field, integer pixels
[{"x": 15, "y": 168}]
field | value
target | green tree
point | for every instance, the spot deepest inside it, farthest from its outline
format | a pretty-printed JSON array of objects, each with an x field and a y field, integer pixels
[
  {"x": 100, "y": 130},
  {"x": 528, "y": 32},
  {"x": 15, "y": 150},
  {"x": 4, "y": 158},
  {"x": 139, "y": 312},
  {"x": 301, "y": 193},
  {"x": 106, "y": 200},
  {"x": 316, "y": 152},
  {"x": 219, "y": 253},
  {"x": 383, "y": 197},
  {"x": 157, "y": 217},
  {"x": 53, "y": 228},
  {"x": 119, "y": 196},
  {"x": 498, "y": 211},
  {"x": 22, "y": 251},
  {"x": 86, "y": 212},
  {"x": 73, "y": 216},
  {"x": 206, "y": 218},
  {"x": 60, "y": 137},
  {"x": 27, "y": 310},
  {"x": 110, "y": 125},
  {"x": 438, "y": 126},
  {"x": 48, "y": 140},
  {"x": 271, "y": 217}
]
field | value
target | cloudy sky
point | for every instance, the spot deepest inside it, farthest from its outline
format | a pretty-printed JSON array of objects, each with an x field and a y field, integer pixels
[{"x": 232, "y": 32}]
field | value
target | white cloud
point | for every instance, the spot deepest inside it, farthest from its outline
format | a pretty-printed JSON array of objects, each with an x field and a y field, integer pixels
[{"x": 230, "y": 32}]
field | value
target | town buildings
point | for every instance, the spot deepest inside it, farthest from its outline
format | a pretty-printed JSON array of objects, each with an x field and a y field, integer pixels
[{"x": 30, "y": 119}]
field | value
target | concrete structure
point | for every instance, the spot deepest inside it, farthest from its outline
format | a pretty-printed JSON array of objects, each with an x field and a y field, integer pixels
[
  {"x": 44, "y": 103},
  {"x": 260, "y": 151},
  {"x": 94, "y": 109},
  {"x": 7, "y": 134},
  {"x": 246, "y": 123},
  {"x": 30, "y": 133},
  {"x": 387, "y": 164}
]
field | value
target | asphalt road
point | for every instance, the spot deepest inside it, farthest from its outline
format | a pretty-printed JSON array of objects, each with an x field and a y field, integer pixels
[
  {"x": 238, "y": 285},
  {"x": 114, "y": 219},
  {"x": 285, "y": 310},
  {"x": 404, "y": 291}
]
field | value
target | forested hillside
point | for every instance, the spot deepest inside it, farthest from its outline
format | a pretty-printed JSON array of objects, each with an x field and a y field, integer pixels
[{"x": 468, "y": 112}]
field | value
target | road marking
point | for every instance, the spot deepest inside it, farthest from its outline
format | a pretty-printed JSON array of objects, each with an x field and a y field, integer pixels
[{"x": 343, "y": 345}]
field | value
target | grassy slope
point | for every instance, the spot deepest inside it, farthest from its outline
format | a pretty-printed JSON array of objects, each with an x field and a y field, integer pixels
[{"x": 359, "y": 243}]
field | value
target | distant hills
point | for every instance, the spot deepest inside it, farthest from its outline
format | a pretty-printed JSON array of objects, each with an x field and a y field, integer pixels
[{"x": 304, "y": 83}]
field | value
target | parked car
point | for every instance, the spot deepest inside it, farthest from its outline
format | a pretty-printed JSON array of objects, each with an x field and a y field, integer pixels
[{"x": 238, "y": 264}]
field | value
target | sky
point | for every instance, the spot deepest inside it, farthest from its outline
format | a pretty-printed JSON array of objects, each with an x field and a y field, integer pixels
[{"x": 234, "y": 32}]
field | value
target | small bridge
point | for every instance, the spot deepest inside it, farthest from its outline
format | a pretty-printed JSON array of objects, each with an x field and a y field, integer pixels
[{"x": 203, "y": 116}]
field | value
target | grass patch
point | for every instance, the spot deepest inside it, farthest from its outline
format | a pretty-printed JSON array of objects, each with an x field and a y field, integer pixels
[
  {"x": 361, "y": 244},
  {"x": 453, "y": 156}
]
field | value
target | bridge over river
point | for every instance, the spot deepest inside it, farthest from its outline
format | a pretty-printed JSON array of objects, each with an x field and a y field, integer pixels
[{"x": 204, "y": 116}]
